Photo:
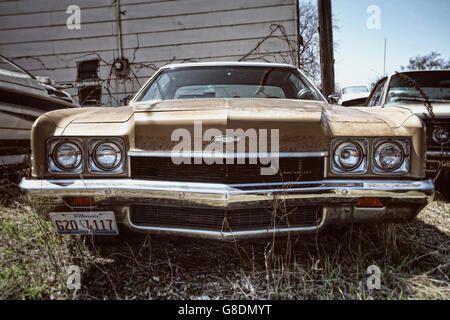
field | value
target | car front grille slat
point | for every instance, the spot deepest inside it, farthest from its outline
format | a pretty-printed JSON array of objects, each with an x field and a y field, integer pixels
[
  {"x": 163, "y": 169},
  {"x": 226, "y": 220}
]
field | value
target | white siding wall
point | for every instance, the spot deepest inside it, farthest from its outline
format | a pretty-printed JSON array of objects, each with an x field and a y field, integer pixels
[{"x": 34, "y": 34}]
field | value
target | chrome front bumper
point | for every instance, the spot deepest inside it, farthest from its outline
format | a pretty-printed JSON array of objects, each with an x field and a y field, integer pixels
[{"x": 337, "y": 198}]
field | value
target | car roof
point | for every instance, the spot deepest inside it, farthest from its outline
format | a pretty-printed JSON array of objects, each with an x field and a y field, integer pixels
[
  {"x": 434, "y": 70},
  {"x": 228, "y": 64}
]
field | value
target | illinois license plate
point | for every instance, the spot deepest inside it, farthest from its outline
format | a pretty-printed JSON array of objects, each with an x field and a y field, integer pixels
[{"x": 87, "y": 223}]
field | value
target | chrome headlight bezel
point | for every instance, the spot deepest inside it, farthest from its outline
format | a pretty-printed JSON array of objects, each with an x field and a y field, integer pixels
[
  {"x": 404, "y": 165},
  {"x": 435, "y": 138},
  {"x": 93, "y": 164},
  {"x": 361, "y": 167},
  {"x": 53, "y": 165}
]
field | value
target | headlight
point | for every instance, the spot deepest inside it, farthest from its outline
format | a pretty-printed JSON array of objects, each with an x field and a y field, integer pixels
[
  {"x": 67, "y": 156},
  {"x": 348, "y": 155},
  {"x": 107, "y": 156},
  {"x": 441, "y": 135},
  {"x": 391, "y": 156},
  {"x": 388, "y": 156}
]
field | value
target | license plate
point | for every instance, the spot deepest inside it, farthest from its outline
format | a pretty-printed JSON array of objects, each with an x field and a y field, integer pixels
[{"x": 86, "y": 223}]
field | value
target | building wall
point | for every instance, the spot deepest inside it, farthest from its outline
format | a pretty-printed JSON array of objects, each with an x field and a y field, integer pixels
[{"x": 35, "y": 35}]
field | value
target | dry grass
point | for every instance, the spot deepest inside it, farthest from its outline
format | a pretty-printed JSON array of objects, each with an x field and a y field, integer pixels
[{"x": 413, "y": 258}]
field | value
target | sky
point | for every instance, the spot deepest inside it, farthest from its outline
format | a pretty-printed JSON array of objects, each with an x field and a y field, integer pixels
[{"x": 411, "y": 27}]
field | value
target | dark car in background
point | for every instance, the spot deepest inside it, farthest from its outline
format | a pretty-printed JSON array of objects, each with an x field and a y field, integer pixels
[
  {"x": 350, "y": 96},
  {"x": 23, "y": 98}
]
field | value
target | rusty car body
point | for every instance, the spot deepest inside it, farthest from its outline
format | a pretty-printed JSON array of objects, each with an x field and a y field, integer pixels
[{"x": 94, "y": 168}]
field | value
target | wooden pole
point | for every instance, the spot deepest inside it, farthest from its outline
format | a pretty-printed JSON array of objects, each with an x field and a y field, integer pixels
[
  {"x": 298, "y": 33},
  {"x": 384, "y": 63},
  {"x": 326, "y": 46}
]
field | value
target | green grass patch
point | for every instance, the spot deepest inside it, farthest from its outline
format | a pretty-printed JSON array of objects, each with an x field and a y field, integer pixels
[{"x": 413, "y": 260}]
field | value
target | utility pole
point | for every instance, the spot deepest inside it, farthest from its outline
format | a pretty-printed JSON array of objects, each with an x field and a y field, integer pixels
[
  {"x": 299, "y": 41},
  {"x": 326, "y": 46},
  {"x": 384, "y": 68}
]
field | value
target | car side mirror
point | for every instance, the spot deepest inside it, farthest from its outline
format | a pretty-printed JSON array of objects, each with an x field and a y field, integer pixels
[{"x": 331, "y": 99}]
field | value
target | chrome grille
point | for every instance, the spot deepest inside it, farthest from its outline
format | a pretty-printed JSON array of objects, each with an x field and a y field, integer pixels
[
  {"x": 226, "y": 220},
  {"x": 162, "y": 168}
]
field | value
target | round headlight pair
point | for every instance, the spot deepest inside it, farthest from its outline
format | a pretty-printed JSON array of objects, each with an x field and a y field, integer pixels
[
  {"x": 67, "y": 156},
  {"x": 388, "y": 156},
  {"x": 441, "y": 136},
  {"x": 107, "y": 156},
  {"x": 348, "y": 156}
]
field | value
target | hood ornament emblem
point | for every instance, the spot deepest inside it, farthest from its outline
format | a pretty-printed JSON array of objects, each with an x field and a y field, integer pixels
[{"x": 227, "y": 139}]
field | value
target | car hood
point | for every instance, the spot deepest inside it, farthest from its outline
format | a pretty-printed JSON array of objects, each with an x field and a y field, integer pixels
[
  {"x": 303, "y": 125},
  {"x": 439, "y": 109},
  {"x": 270, "y": 110}
]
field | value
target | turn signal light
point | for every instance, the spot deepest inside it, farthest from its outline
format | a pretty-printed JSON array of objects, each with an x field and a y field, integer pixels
[{"x": 370, "y": 203}]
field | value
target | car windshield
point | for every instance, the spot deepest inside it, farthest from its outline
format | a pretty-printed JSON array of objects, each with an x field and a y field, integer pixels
[
  {"x": 355, "y": 90},
  {"x": 435, "y": 84},
  {"x": 229, "y": 82}
]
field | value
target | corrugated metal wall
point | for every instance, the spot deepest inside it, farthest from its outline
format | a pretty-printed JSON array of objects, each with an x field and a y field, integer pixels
[{"x": 34, "y": 34}]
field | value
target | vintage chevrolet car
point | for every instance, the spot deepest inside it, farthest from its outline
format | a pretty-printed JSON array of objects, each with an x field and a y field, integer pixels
[
  {"x": 435, "y": 84},
  {"x": 227, "y": 151}
]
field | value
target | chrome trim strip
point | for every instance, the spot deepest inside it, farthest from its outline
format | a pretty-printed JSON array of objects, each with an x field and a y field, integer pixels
[
  {"x": 197, "y": 154},
  {"x": 437, "y": 153},
  {"x": 141, "y": 188},
  {"x": 224, "y": 235},
  {"x": 228, "y": 64}
]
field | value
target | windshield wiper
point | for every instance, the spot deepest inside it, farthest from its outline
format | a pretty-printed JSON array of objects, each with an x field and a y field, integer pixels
[{"x": 418, "y": 99}]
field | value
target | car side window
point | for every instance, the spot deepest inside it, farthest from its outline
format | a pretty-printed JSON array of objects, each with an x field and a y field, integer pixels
[{"x": 375, "y": 99}]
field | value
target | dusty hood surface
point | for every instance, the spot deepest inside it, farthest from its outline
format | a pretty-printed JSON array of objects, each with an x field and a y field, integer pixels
[
  {"x": 104, "y": 115},
  {"x": 303, "y": 125}
]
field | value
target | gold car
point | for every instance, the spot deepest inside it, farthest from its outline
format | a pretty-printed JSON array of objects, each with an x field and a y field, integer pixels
[{"x": 227, "y": 151}]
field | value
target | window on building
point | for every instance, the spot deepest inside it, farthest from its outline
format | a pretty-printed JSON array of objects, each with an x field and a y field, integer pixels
[
  {"x": 90, "y": 95},
  {"x": 87, "y": 70}
]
